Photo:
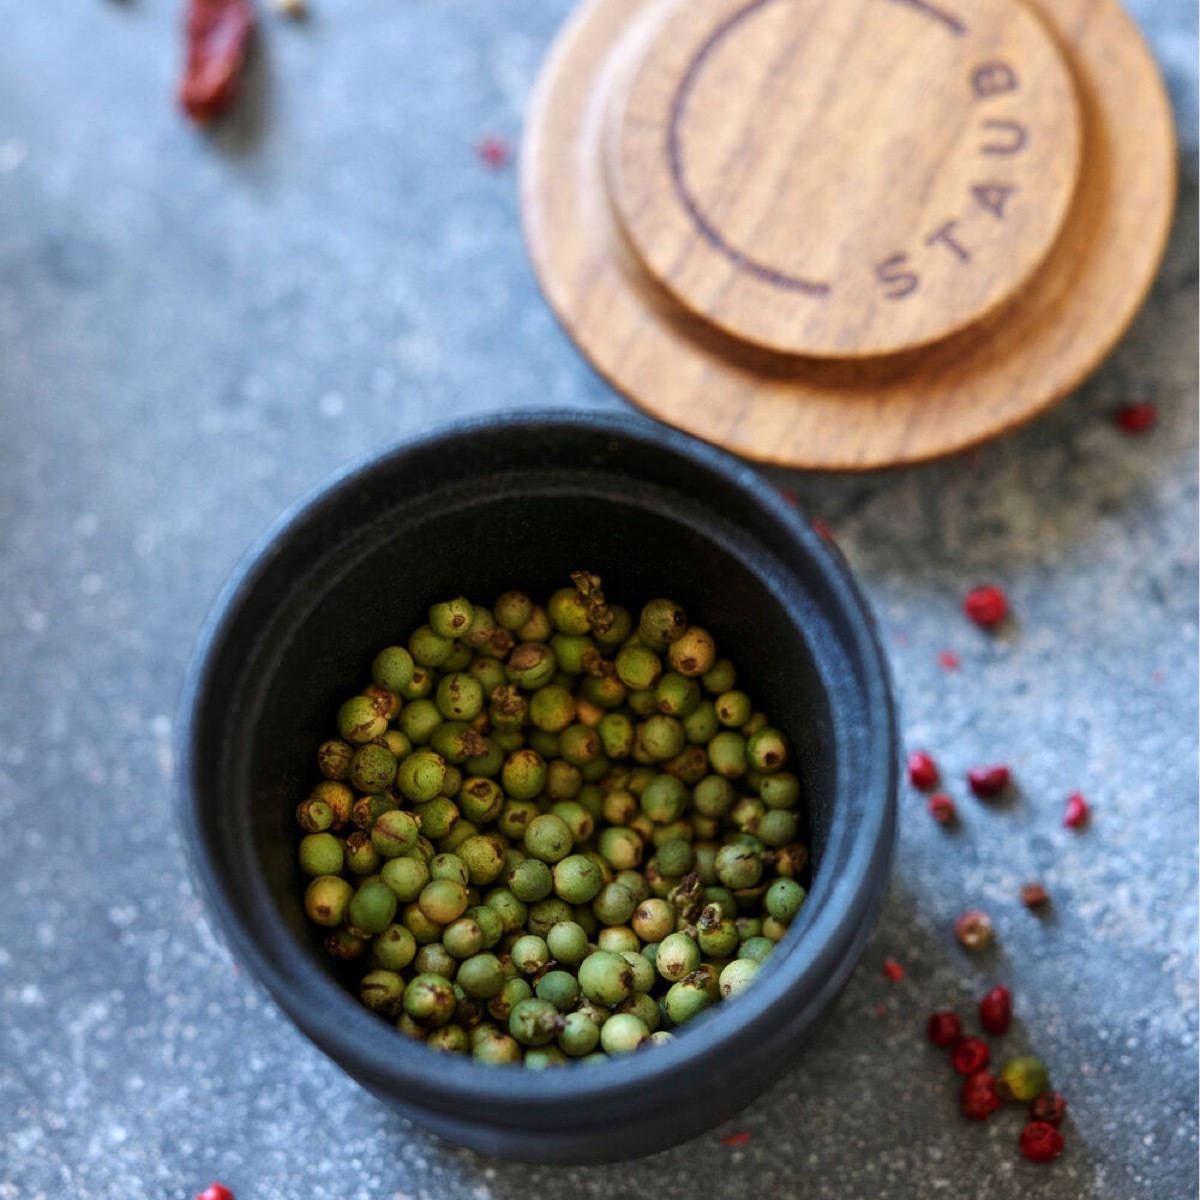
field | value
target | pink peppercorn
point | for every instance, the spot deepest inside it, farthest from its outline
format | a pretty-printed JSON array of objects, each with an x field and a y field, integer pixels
[
  {"x": 493, "y": 152},
  {"x": 945, "y": 1028},
  {"x": 948, "y": 660},
  {"x": 1034, "y": 895},
  {"x": 979, "y": 1098},
  {"x": 987, "y": 605},
  {"x": 922, "y": 770},
  {"x": 995, "y": 1010},
  {"x": 1077, "y": 811},
  {"x": 971, "y": 1055},
  {"x": 942, "y": 808},
  {"x": 893, "y": 970},
  {"x": 1138, "y": 416},
  {"x": 1040, "y": 1142},
  {"x": 973, "y": 930},
  {"x": 1049, "y": 1107},
  {"x": 215, "y": 1191},
  {"x": 988, "y": 781}
]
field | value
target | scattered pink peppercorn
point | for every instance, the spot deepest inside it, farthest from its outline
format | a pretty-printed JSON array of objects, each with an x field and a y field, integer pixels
[
  {"x": 1040, "y": 1142},
  {"x": 995, "y": 1010},
  {"x": 974, "y": 930},
  {"x": 988, "y": 781},
  {"x": 1077, "y": 811},
  {"x": 979, "y": 1098},
  {"x": 215, "y": 1191},
  {"x": 893, "y": 970},
  {"x": 971, "y": 1055},
  {"x": 987, "y": 605},
  {"x": 1138, "y": 416},
  {"x": 735, "y": 1139},
  {"x": 945, "y": 1028},
  {"x": 922, "y": 770},
  {"x": 1049, "y": 1107},
  {"x": 942, "y": 808},
  {"x": 493, "y": 152},
  {"x": 1034, "y": 895},
  {"x": 948, "y": 660}
]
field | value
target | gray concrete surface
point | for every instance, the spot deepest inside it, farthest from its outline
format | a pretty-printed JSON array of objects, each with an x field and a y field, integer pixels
[{"x": 195, "y": 330}]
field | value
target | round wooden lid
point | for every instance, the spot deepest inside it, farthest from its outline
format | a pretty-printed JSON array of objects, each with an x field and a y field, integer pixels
[{"x": 847, "y": 233}]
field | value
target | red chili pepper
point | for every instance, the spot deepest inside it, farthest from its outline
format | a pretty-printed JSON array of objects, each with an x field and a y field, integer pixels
[{"x": 218, "y": 34}]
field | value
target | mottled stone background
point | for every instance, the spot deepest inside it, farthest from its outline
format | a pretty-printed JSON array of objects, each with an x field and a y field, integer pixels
[{"x": 196, "y": 330}]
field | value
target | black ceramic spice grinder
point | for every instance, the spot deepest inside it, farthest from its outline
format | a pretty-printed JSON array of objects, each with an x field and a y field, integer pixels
[{"x": 475, "y": 509}]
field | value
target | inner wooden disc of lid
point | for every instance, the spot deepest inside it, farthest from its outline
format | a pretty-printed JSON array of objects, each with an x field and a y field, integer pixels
[{"x": 844, "y": 179}]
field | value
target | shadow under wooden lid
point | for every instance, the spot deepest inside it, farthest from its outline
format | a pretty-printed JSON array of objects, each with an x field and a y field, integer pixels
[{"x": 847, "y": 234}]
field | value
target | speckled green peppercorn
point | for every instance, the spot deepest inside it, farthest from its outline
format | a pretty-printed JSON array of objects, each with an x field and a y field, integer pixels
[
  {"x": 333, "y": 758},
  {"x": 662, "y": 622},
  {"x": 360, "y": 720},
  {"x": 577, "y": 879},
  {"x": 420, "y": 776},
  {"x": 320, "y": 854},
  {"x": 622, "y": 1033},
  {"x": 535, "y": 1022},
  {"x": 737, "y": 976},
  {"x": 766, "y": 750},
  {"x": 443, "y": 900},
  {"x": 429, "y": 999},
  {"x": 579, "y": 1035},
  {"x": 406, "y": 876},
  {"x": 371, "y": 909}
]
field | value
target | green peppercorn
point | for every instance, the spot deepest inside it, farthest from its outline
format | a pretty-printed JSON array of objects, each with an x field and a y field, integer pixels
[
  {"x": 420, "y": 776},
  {"x": 443, "y": 900},
  {"x": 563, "y": 781},
  {"x": 614, "y": 904},
  {"x": 766, "y": 749},
  {"x": 548, "y": 837},
  {"x": 419, "y": 686},
  {"x": 406, "y": 875},
  {"x": 434, "y": 959},
  {"x": 489, "y": 922},
  {"x": 451, "y": 618},
  {"x": 429, "y": 999},
  {"x": 537, "y": 628},
  {"x": 326, "y": 900},
  {"x": 661, "y": 622},
  {"x": 660, "y": 737},
  {"x": 676, "y": 695},
  {"x": 653, "y": 920},
  {"x": 320, "y": 854},
  {"x": 675, "y": 857},
  {"x": 738, "y": 866},
  {"x": 561, "y": 988},
  {"x": 605, "y": 977},
  {"x": 579, "y": 744},
  {"x": 664, "y": 799},
  {"x": 616, "y": 735},
  {"x": 480, "y": 976},
  {"x": 567, "y": 942},
  {"x": 623, "y": 1032},
  {"x": 568, "y": 612},
  {"x": 572, "y": 652},
  {"x": 579, "y": 821},
  {"x": 692, "y": 653},
  {"x": 513, "y": 990},
  {"x": 737, "y": 976},
  {"x": 360, "y": 720},
  {"x": 644, "y": 974},
  {"x": 784, "y": 899},
  {"x": 531, "y": 665},
  {"x": 579, "y": 1035},
  {"x": 727, "y": 754},
  {"x": 523, "y": 775},
  {"x": 394, "y": 833},
  {"x": 577, "y": 879},
  {"x": 382, "y": 991},
  {"x": 371, "y": 909},
  {"x": 604, "y": 691},
  {"x": 459, "y": 697},
  {"x": 424, "y": 929},
  {"x": 480, "y": 800},
  {"x": 393, "y": 948},
  {"x": 361, "y": 857},
  {"x": 428, "y": 648},
  {"x": 535, "y": 1022},
  {"x": 644, "y": 1007},
  {"x": 438, "y": 816},
  {"x": 622, "y": 847},
  {"x": 678, "y": 955},
  {"x": 495, "y": 1046},
  {"x": 483, "y": 856},
  {"x": 512, "y": 610},
  {"x": 333, "y": 758},
  {"x": 638, "y": 667},
  {"x": 530, "y": 880},
  {"x": 545, "y": 914}
]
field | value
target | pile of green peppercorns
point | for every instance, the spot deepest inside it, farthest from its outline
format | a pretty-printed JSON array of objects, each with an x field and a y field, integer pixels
[{"x": 552, "y": 833}]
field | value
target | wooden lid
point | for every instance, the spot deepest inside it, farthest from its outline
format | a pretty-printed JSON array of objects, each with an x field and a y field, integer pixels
[{"x": 847, "y": 233}]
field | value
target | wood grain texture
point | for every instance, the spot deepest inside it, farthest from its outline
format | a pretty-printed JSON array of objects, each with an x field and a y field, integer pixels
[{"x": 663, "y": 313}]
